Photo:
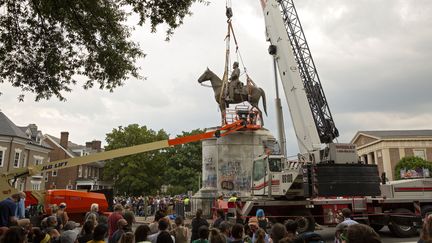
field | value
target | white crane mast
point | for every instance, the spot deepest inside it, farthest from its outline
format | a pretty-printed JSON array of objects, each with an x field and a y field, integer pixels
[{"x": 295, "y": 93}]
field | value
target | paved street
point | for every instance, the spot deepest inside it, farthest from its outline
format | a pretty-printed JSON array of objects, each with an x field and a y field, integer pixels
[{"x": 386, "y": 236}]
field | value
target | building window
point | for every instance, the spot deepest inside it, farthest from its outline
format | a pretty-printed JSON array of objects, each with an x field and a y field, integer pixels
[
  {"x": 54, "y": 173},
  {"x": 17, "y": 159},
  {"x": 97, "y": 173},
  {"x": 46, "y": 177},
  {"x": 24, "y": 161},
  {"x": 421, "y": 153},
  {"x": 85, "y": 171},
  {"x": 38, "y": 161},
  {"x": 21, "y": 186},
  {"x": 70, "y": 187},
  {"x": 2, "y": 153},
  {"x": 36, "y": 187},
  {"x": 80, "y": 171}
]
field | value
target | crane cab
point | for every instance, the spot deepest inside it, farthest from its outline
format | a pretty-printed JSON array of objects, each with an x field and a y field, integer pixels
[{"x": 274, "y": 176}]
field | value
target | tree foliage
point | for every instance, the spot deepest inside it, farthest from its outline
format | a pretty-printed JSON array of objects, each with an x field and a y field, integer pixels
[
  {"x": 184, "y": 165},
  {"x": 411, "y": 162},
  {"x": 177, "y": 167},
  {"x": 46, "y": 44},
  {"x": 137, "y": 173}
]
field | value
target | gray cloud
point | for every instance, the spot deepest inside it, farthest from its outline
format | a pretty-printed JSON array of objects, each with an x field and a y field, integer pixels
[{"x": 373, "y": 57}]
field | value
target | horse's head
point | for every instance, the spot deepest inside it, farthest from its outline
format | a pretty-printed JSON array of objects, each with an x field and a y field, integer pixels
[{"x": 205, "y": 76}]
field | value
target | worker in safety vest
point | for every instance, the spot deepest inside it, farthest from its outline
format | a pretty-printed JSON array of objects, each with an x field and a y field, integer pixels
[
  {"x": 186, "y": 202},
  {"x": 234, "y": 81},
  {"x": 233, "y": 198}
]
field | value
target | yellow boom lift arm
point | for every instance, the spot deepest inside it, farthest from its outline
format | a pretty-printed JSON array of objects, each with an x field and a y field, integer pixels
[{"x": 6, "y": 188}]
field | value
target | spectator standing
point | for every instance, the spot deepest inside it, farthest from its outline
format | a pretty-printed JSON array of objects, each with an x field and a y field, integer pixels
[
  {"x": 141, "y": 234},
  {"x": 278, "y": 232},
  {"x": 154, "y": 226},
  {"x": 164, "y": 237},
  {"x": 99, "y": 234},
  {"x": 260, "y": 236},
  {"x": 347, "y": 221},
  {"x": 94, "y": 209},
  {"x": 262, "y": 220},
  {"x": 237, "y": 233},
  {"x": 15, "y": 234},
  {"x": 127, "y": 237},
  {"x": 203, "y": 233},
  {"x": 86, "y": 232},
  {"x": 69, "y": 234},
  {"x": 129, "y": 216},
  {"x": 8, "y": 209},
  {"x": 216, "y": 236},
  {"x": 291, "y": 228},
  {"x": 359, "y": 233},
  {"x": 62, "y": 214},
  {"x": 225, "y": 230},
  {"x": 122, "y": 228},
  {"x": 197, "y": 222},
  {"x": 180, "y": 232},
  {"x": 426, "y": 233},
  {"x": 163, "y": 228},
  {"x": 114, "y": 218},
  {"x": 254, "y": 227},
  {"x": 220, "y": 218}
]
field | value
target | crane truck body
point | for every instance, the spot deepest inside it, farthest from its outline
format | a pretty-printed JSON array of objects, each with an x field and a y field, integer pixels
[{"x": 327, "y": 177}]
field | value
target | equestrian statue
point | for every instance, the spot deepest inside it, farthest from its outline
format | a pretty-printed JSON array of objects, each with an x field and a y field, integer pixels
[{"x": 237, "y": 92}]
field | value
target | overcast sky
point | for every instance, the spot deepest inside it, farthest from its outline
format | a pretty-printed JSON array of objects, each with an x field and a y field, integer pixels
[{"x": 373, "y": 58}]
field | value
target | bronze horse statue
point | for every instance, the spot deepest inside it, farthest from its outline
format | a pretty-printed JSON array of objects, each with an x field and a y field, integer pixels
[{"x": 255, "y": 93}]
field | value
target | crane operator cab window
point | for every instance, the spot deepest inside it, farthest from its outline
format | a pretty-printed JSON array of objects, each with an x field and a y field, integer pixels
[
  {"x": 275, "y": 164},
  {"x": 259, "y": 169}
]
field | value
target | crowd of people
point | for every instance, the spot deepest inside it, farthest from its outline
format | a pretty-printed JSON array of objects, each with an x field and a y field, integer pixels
[
  {"x": 120, "y": 227},
  {"x": 148, "y": 205}
]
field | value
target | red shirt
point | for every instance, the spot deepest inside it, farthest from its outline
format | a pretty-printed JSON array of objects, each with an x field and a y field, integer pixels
[{"x": 112, "y": 222}]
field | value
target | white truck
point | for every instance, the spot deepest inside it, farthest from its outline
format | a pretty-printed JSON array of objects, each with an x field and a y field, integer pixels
[{"x": 327, "y": 176}]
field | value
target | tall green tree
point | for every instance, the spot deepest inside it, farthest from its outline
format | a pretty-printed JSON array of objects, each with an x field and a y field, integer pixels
[
  {"x": 139, "y": 173},
  {"x": 46, "y": 44},
  {"x": 184, "y": 165}
]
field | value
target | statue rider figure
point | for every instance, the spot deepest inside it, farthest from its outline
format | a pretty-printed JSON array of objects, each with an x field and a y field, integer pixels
[{"x": 234, "y": 83}]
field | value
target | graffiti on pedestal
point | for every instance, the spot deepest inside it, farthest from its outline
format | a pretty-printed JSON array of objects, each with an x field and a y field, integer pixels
[
  {"x": 210, "y": 178},
  {"x": 233, "y": 177}
]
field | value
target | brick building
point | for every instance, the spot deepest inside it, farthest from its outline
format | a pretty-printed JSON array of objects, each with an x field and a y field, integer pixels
[
  {"x": 86, "y": 177},
  {"x": 21, "y": 147},
  {"x": 386, "y": 148}
]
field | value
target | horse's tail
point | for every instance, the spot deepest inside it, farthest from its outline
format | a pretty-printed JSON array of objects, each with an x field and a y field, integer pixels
[{"x": 264, "y": 100}]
